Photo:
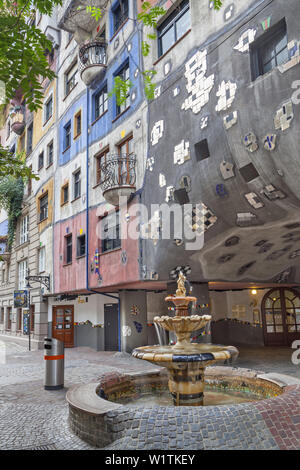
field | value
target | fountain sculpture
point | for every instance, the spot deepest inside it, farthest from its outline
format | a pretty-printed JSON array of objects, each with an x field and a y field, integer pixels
[{"x": 185, "y": 361}]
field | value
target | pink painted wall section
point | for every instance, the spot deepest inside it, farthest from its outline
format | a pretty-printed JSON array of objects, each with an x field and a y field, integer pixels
[{"x": 69, "y": 277}]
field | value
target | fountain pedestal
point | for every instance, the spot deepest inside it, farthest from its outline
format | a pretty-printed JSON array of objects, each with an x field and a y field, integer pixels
[{"x": 185, "y": 361}]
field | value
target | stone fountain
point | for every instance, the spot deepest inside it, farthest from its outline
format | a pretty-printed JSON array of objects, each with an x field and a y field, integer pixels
[{"x": 185, "y": 361}]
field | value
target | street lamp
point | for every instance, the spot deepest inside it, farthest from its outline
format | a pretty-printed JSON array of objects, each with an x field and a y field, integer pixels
[{"x": 28, "y": 287}]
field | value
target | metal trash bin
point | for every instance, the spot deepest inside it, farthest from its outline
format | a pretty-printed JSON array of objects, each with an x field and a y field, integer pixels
[{"x": 54, "y": 364}]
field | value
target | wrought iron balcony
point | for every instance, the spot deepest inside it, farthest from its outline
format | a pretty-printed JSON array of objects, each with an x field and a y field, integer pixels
[
  {"x": 92, "y": 61},
  {"x": 17, "y": 119},
  {"x": 118, "y": 177}
]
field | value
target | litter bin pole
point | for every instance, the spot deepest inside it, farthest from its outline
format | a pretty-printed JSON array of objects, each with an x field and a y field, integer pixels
[{"x": 54, "y": 364}]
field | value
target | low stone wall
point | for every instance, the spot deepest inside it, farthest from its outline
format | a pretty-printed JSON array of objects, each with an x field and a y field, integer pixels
[{"x": 100, "y": 422}]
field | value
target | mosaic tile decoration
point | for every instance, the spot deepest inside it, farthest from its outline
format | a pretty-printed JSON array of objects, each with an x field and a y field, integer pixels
[
  {"x": 250, "y": 142},
  {"x": 293, "y": 54},
  {"x": 270, "y": 142},
  {"x": 181, "y": 153},
  {"x": 230, "y": 120},
  {"x": 157, "y": 132},
  {"x": 174, "y": 273},
  {"x": 254, "y": 200},
  {"x": 227, "y": 171}
]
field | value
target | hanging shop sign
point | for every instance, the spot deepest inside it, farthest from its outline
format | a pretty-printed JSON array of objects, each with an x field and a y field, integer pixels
[{"x": 20, "y": 299}]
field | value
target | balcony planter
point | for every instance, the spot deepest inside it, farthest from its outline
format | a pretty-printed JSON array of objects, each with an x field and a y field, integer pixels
[
  {"x": 17, "y": 120},
  {"x": 92, "y": 61},
  {"x": 118, "y": 177}
]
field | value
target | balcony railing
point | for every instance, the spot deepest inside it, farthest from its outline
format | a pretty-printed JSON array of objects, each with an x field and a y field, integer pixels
[
  {"x": 118, "y": 177},
  {"x": 17, "y": 119},
  {"x": 92, "y": 61}
]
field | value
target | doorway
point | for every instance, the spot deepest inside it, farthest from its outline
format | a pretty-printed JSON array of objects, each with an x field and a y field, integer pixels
[
  {"x": 281, "y": 317},
  {"x": 63, "y": 324},
  {"x": 111, "y": 327}
]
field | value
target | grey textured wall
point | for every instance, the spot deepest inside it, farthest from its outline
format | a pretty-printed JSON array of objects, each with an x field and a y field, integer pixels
[{"x": 133, "y": 327}]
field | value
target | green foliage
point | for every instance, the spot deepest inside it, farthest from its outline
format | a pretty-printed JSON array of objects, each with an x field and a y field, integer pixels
[
  {"x": 149, "y": 15},
  {"x": 218, "y": 4},
  {"x": 11, "y": 198},
  {"x": 120, "y": 90},
  {"x": 22, "y": 53},
  {"x": 95, "y": 12},
  {"x": 149, "y": 86}
]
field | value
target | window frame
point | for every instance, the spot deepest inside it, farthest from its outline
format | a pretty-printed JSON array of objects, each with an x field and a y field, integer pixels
[
  {"x": 170, "y": 22},
  {"x": 120, "y": 109},
  {"x": 41, "y": 165},
  {"x": 23, "y": 271},
  {"x": 117, "y": 25},
  {"x": 104, "y": 104},
  {"x": 64, "y": 201},
  {"x": 46, "y": 116},
  {"x": 68, "y": 244},
  {"x": 105, "y": 241},
  {"x": 42, "y": 249},
  {"x": 29, "y": 143},
  {"x": 69, "y": 80},
  {"x": 79, "y": 246},
  {"x": 50, "y": 145},
  {"x": 98, "y": 157},
  {"x": 76, "y": 132},
  {"x": 279, "y": 30},
  {"x": 67, "y": 136},
  {"x": 76, "y": 195},
  {"x": 24, "y": 229}
]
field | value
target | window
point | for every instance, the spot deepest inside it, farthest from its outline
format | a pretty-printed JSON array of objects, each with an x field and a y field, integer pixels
[
  {"x": 77, "y": 184},
  {"x": 48, "y": 109},
  {"x": 64, "y": 197},
  {"x": 29, "y": 138},
  {"x": 22, "y": 273},
  {"x": 44, "y": 207},
  {"x": 68, "y": 247},
  {"x": 120, "y": 14},
  {"x": 50, "y": 153},
  {"x": 174, "y": 27},
  {"x": 2, "y": 315},
  {"x": 101, "y": 102},
  {"x": 77, "y": 124},
  {"x": 24, "y": 228},
  {"x": 41, "y": 160},
  {"x": 70, "y": 78},
  {"x": 269, "y": 50},
  {"x": 124, "y": 75},
  {"x": 202, "y": 150},
  {"x": 80, "y": 246},
  {"x": 42, "y": 259},
  {"x": 249, "y": 172},
  {"x": 67, "y": 136},
  {"x": 100, "y": 159},
  {"x": 110, "y": 234}
]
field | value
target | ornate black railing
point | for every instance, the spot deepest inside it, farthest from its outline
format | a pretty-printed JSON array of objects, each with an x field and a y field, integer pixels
[
  {"x": 118, "y": 171},
  {"x": 93, "y": 53}
]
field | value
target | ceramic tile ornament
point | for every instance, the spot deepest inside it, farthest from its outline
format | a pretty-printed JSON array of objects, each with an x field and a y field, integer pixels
[
  {"x": 157, "y": 132},
  {"x": 246, "y": 219},
  {"x": 151, "y": 229},
  {"x": 270, "y": 142},
  {"x": 284, "y": 116},
  {"x": 266, "y": 23},
  {"x": 157, "y": 92},
  {"x": 150, "y": 163},
  {"x": 162, "y": 180},
  {"x": 250, "y": 142},
  {"x": 221, "y": 190},
  {"x": 167, "y": 67},
  {"x": 134, "y": 310},
  {"x": 123, "y": 257},
  {"x": 174, "y": 273},
  {"x": 254, "y": 200},
  {"x": 138, "y": 124},
  {"x": 230, "y": 120},
  {"x": 198, "y": 84},
  {"x": 245, "y": 40},
  {"x": 185, "y": 182},
  {"x": 200, "y": 218},
  {"x": 182, "y": 153},
  {"x": 138, "y": 326},
  {"x": 293, "y": 56},
  {"x": 204, "y": 122},
  {"x": 272, "y": 193},
  {"x": 227, "y": 171},
  {"x": 226, "y": 94},
  {"x": 228, "y": 12},
  {"x": 178, "y": 242},
  {"x": 170, "y": 193},
  {"x": 176, "y": 91},
  {"x": 126, "y": 330}
]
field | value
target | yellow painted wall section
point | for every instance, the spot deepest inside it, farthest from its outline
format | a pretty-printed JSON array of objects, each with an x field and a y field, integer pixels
[{"x": 39, "y": 130}]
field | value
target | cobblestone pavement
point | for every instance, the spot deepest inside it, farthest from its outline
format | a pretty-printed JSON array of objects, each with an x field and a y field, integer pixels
[{"x": 33, "y": 418}]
